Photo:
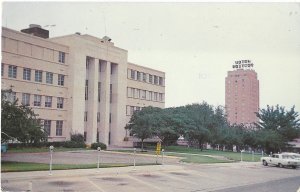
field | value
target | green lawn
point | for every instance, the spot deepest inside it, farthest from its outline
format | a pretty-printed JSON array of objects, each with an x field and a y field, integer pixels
[
  {"x": 22, "y": 166},
  {"x": 234, "y": 156},
  {"x": 41, "y": 149}
]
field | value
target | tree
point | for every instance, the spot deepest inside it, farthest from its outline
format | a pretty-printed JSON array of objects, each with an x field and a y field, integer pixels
[
  {"x": 142, "y": 123},
  {"x": 200, "y": 117},
  {"x": 19, "y": 122},
  {"x": 277, "y": 127}
]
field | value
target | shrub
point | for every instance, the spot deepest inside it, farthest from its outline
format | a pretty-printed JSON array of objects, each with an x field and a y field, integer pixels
[
  {"x": 96, "y": 145},
  {"x": 73, "y": 144},
  {"x": 78, "y": 138}
]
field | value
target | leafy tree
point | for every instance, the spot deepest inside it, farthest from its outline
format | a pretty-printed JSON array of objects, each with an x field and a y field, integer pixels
[
  {"x": 282, "y": 125},
  {"x": 19, "y": 122},
  {"x": 142, "y": 123}
]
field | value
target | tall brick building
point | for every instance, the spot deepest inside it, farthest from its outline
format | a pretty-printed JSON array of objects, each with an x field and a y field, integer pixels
[{"x": 242, "y": 94}]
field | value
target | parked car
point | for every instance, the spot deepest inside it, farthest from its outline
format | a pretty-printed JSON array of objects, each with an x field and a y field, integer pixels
[{"x": 281, "y": 160}]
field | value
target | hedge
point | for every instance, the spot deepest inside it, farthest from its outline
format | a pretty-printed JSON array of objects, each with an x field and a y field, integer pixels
[{"x": 96, "y": 145}]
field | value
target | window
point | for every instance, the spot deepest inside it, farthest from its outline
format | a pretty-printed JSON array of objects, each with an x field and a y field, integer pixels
[
  {"x": 132, "y": 74},
  {"x": 86, "y": 95},
  {"x": 87, "y": 64},
  {"x": 145, "y": 77},
  {"x": 150, "y": 78},
  {"x": 110, "y": 118},
  {"x": 131, "y": 110},
  {"x": 61, "y": 57},
  {"x": 150, "y": 95},
  {"x": 48, "y": 101},
  {"x": 98, "y": 116},
  {"x": 160, "y": 97},
  {"x": 99, "y": 91},
  {"x": 137, "y": 93},
  {"x": 2, "y": 69},
  {"x": 26, "y": 74},
  {"x": 37, "y": 100},
  {"x": 12, "y": 71},
  {"x": 59, "y": 126},
  {"x": 161, "y": 81},
  {"x": 25, "y": 99},
  {"x": 143, "y": 94},
  {"x": 110, "y": 94},
  {"x": 84, "y": 135},
  {"x": 61, "y": 80},
  {"x": 155, "y": 80},
  {"x": 155, "y": 96},
  {"x": 38, "y": 76},
  {"x": 60, "y": 102},
  {"x": 49, "y": 78},
  {"x": 85, "y": 116},
  {"x": 138, "y": 75},
  {"x": 47, "y": 127}
]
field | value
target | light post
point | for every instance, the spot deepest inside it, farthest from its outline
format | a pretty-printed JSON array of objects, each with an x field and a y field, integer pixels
[
  {"x": 98, "y": 149},
  {"x": 134, "y": 152},
  {"x": 163, "y": 153},
  {"x": 50, "y": 167}
]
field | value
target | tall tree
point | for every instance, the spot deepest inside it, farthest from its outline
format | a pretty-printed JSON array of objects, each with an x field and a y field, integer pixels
[
  {"x": 19, "y": 122},
  {"x": 283, "y": 125}
]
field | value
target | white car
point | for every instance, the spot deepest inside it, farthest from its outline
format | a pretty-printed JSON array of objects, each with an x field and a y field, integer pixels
[{"x": 281, "y": 160}]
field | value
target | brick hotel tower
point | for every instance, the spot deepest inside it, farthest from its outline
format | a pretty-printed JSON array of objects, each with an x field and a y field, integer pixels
[{"x": 242, "y": 94}]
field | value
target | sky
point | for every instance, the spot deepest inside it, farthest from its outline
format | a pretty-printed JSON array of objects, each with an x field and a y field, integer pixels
[{"x": 195, "y": 44}]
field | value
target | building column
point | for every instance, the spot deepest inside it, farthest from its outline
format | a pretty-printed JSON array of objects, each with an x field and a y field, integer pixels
[
  {"x": 92, "y": 102},
  {"x": 104, "y": 107}
]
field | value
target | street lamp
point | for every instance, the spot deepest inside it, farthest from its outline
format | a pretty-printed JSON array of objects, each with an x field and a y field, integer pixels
[{"x": 50, "y": 167}]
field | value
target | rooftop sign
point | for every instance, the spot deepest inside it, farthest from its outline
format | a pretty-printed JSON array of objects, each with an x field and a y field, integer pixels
[{"x": 241, "y": 64}]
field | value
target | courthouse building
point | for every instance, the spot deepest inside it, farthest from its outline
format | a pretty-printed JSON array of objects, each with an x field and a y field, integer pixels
[
  {"x": 78, "y": 83},
  {"x": 242, "y": 94}
]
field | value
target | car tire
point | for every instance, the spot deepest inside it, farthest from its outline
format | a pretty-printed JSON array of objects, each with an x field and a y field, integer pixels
[
  {"x": 294, "y": 167},
  {"x": 280, "y": 165},
  {"x": 265, "y": 163}
]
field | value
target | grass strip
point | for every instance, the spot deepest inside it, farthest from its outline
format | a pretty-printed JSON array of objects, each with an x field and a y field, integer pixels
[
  {"x": 7, "y": 166},
  {"x": 42, "y": 149}
]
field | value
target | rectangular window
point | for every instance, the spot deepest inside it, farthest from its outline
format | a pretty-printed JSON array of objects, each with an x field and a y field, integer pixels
[
  {"x": 110, "y": 118},
  {"x": 87, "y": 64},
  {"x": 132, "y": 74},
  {"x": 143, "y": 94},
  {"x": 59, "y": 127},
  {"x": 26, "y": 74},
  {"x": 61, "y": 80},
  {"x": 25, "y": 99},
  {"x": 160, "y": 97},
  {"x": 61, "y": 57},
  {"x": 99, "y": 91},
  {"x": 2, "y": 69},
  {"x": 12, "y": 71},
  {"x": 37, "y": 100},
  {"x": 155, "y": 96},
  {"x": 161, "y": 82},
  {"x": 110, "y": 93},
  {"x": 98, "y": 116},
  {"x": 38, "y": 75},
  {"x": 150, "y": 95},
  {"x": 155, "y": 80},
  {"x": 49, "y": 78},
  {"x": 47, "y": 127},
  {"x": 85, "y": 116},
  {"x": 145, "y": 77},
  {"x": 150, "y": 79},
  {"x": 137, "y": 94},
  {"x": 86, "y": 95},
  {"x": 48, "y": 101},
  {"x": 131, "y": 110},
  {"x": 60, "y": 102},
  {"x": 138, "y": 75}
]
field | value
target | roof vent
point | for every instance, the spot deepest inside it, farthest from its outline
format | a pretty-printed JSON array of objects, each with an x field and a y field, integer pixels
[
  {"x": 105, "y": 38},
  {"x": 34, "y": 25}
]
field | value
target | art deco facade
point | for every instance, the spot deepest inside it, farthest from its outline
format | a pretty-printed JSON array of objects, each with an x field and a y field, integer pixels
[
  {"x": 242, "y": 96},
  {"x": 78, "y": 84}
]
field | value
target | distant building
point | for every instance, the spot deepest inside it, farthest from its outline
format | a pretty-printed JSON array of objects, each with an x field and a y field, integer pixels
[
  {"x": 78, "y": 83},
  {"x": 242, "y": 94}
]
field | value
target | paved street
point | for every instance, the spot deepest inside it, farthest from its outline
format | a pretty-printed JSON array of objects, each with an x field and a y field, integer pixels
[{"x": 180, "y": 177}]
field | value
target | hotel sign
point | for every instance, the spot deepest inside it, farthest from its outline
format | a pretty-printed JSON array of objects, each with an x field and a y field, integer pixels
[{"x": 241, "y": 64}]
